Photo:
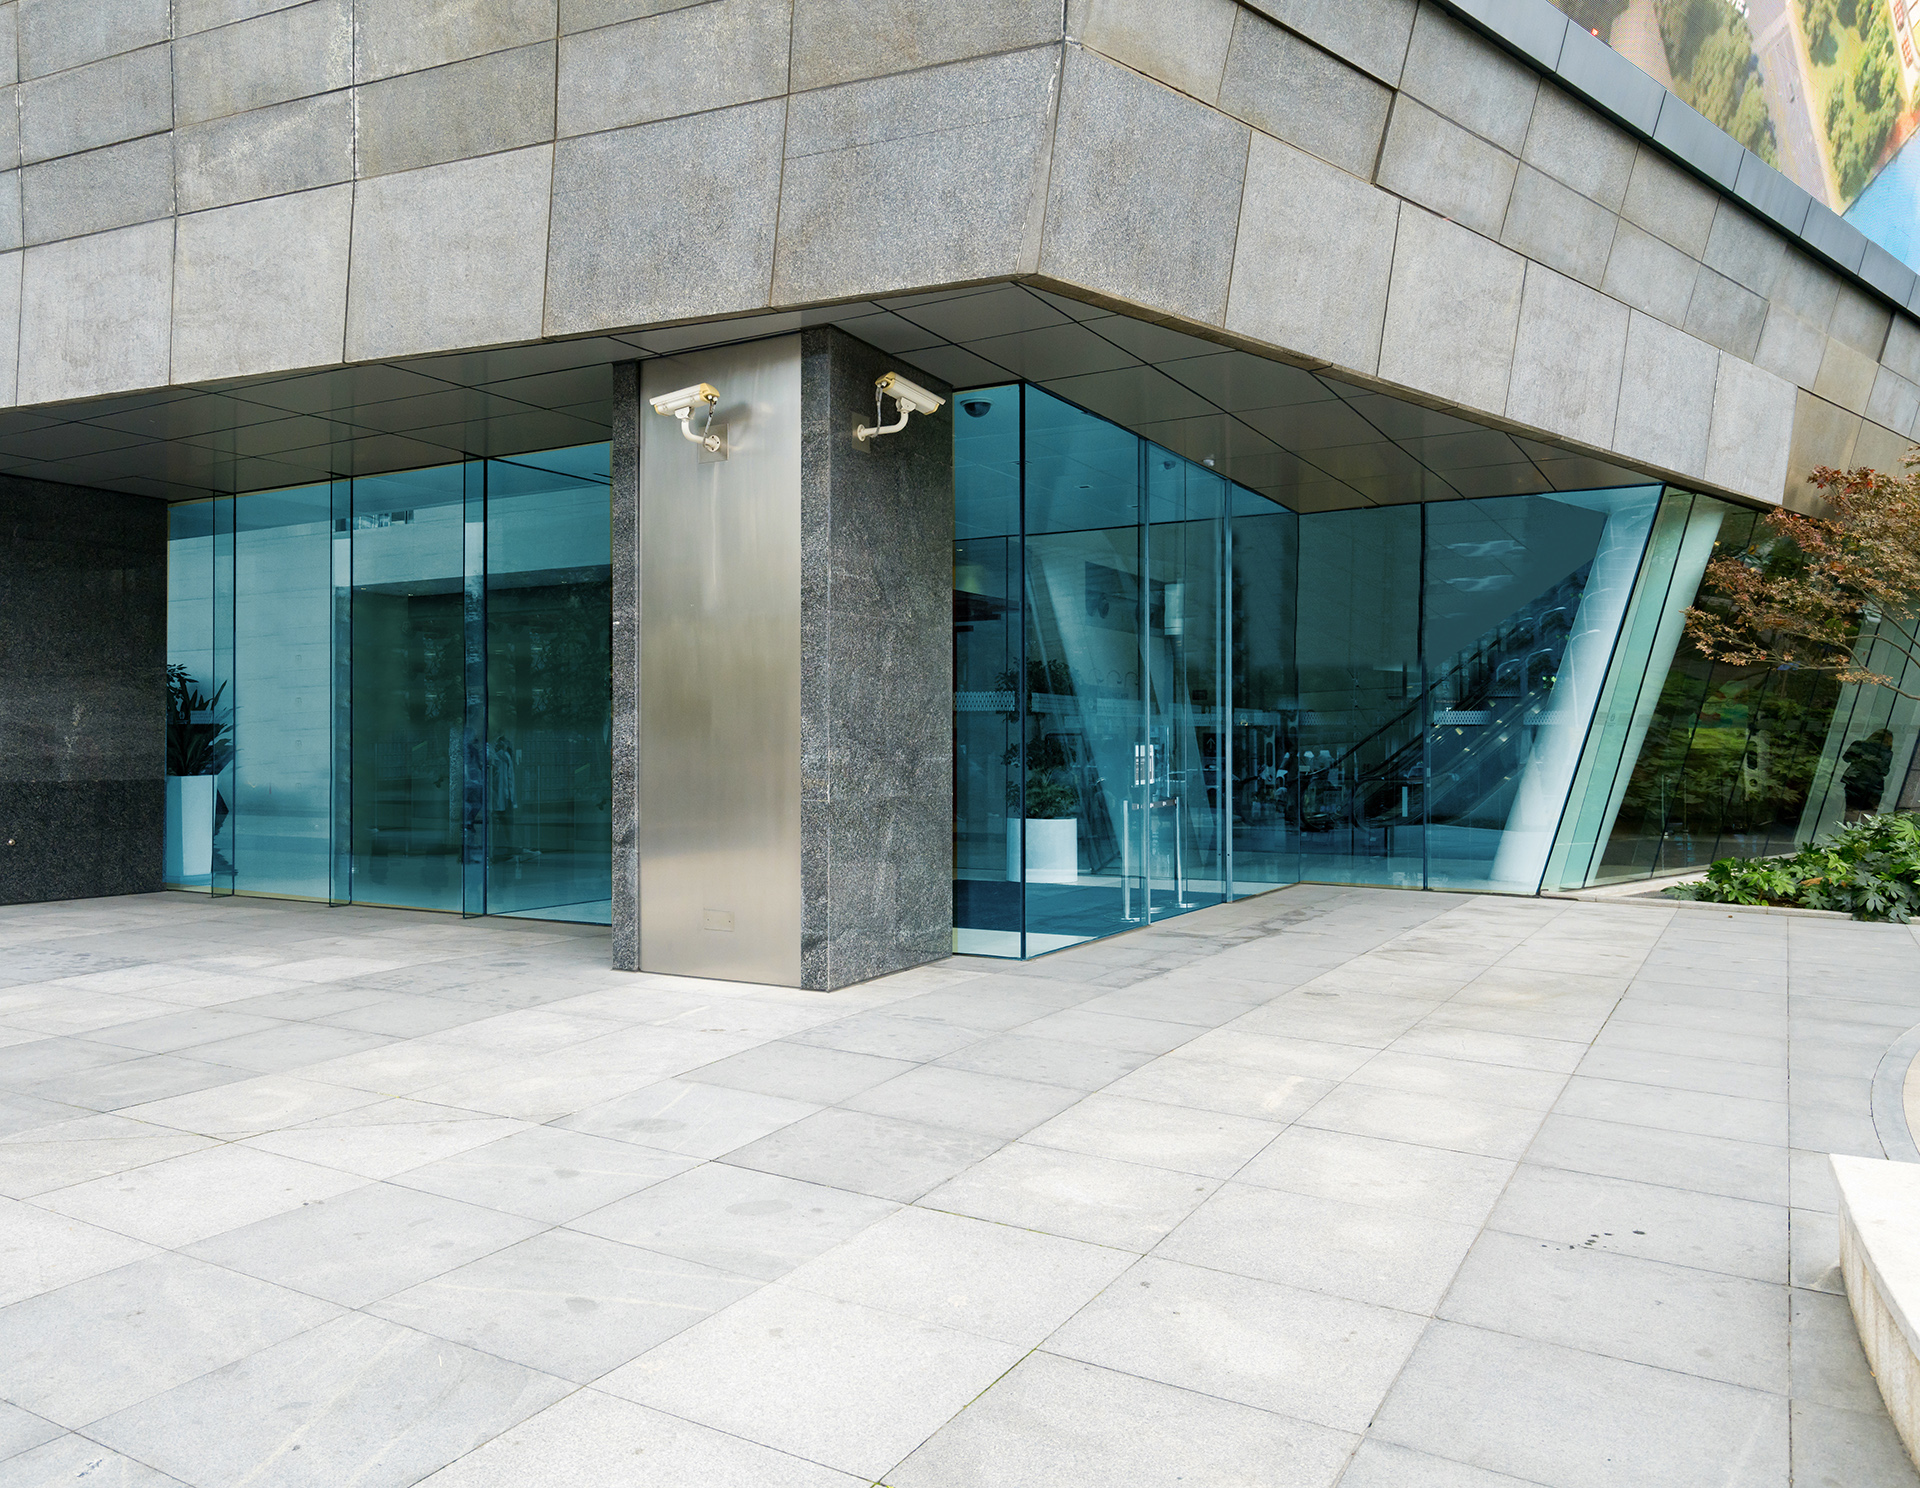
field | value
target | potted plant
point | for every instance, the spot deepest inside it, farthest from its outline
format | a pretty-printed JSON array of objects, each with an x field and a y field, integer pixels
[
  {"x": 1048, "y": 817},
  {"x": 199, "y": 747}
]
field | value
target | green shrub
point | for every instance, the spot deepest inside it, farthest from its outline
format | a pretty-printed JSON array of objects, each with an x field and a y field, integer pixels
[{"x": 1869, "y": 869}]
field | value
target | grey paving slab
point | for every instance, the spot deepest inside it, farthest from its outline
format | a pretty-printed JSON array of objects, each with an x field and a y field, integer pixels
[
  {"x": 1398, "y": 1260},
  {"x": 1611, "y": 1149},
  {"x": 836, "y": 1382},
  {"x": 1431, "y": 1182},
  {"x": 1095, "y": 1199},
  {"x": 1210, "y": 1143},
  {"x": 797, "y": 1072},
  {"x": 1050, "y": 1422},
  {"x": 1710, "y": 1324},
  {"x": 1048, "y": 1061},
  {"x": 966, "y": 1100},
  {"x": 363, "y": 1401},
  {"x": 754, "y": 1224},
  {"x": 40, "y": 1252},
  {"x": 1000, "y": 1281},
  {"x": 591, "y": 1440},
  {"x": 387, "y": 1137},
  {"x": 566, "y": 1304},
  {"x": 75, "y": 1459},
  {"x": 1428, "y": 1120},
  {"x": 366, "y": 1244},
  {"x": 1738, "y": 1117},
  {"x": 1303, "y": 1354},
  {"x": 1813, "y": 1250},
  {"x": 148, "y": 1327},
  {"x": 20, "y": 1430},
  {"x": 1840, "y": 1448},
  {"x": 879, "y": 1155},
  {"x": 688, "y": 1117},
  {"x": 546, "y": 1174}
]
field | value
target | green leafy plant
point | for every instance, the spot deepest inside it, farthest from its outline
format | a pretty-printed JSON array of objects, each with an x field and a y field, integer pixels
[
  {"x": 1048, "y": 797},
  {"x": 198, "y": 743},
  {"x": 1869, "y": 869}
]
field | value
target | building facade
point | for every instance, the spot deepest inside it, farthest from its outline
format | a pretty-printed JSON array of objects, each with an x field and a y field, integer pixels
[{"x": 1341, "y": 400}]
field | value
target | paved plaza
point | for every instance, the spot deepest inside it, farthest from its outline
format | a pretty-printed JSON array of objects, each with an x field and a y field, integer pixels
[{"x": 1384, "y": 1189}]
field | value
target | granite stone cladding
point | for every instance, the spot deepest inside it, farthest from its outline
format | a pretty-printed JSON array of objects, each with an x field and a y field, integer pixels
[
  {"x": 82, "y": 692},
  {"x": 517, "y": 169}
]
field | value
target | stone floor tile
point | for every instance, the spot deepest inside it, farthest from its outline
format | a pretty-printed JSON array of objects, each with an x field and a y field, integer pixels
[
  {"x": 41, "y": 1252},
  {"x": 797, "y": 1072},
  {"x": 43, "y": 1059},
  {"x": 1848, "y": 1449},
  {"x": 248, "y": 1107},
  {"x": 1430, "y": 1181},
  {"x": 1366, "y": 1253},
  {"x": 387, "y": 1137},
  {"x": 560, "y": 1082},
  {"x": 595, "y": 1440},
  {"x": 1829, "y": 1365},
  {"x": 84, "y": 1463},
  {"x": 133, "y": 1082},
  {"x": 1058, "y": 1423},
  {"x": 1157, "y": 1135},
  {"x": 1047, "y": 1061},
  {"x": 966, "y": 1100},
  {"x": 1073, "y": 1195},
  {"x": 60, "y": 1011},
  {"x": 688, "y": 1117},
  {"x": 147, "y": 1327},
  {"x": 1080, "y": 1025},
  {"x": 1738, "y": 1117},
  {"x": 546, "y": 1174},
  {"x": 29, "y": 1113},
  {"x": 1426, "y": 1120},
  {"x": 1687, "y": 1072},
  {"x": 1735, "y": 1236},
  {"x": 1380, "y": 1464},
  {"x": 536, "y": 1030},
  {"x": 1611, "y": 1149},
  {"x": 1476, "y": 1045},
  {"x": 1171, "y": 1004},
  {"x": 1850, "y": 1132},
  {"x": 1559, "y": 1417},
  {"x": 1016, "y": 1285},
  {"x": 406, "y": 1015},
  {"x": 1721, "y": 1327},
  {"x": 64, "y": 1153},
  {"x": 183, "y": 1199},
  {"x": 1810, "y": 1182},
  {"x": 1646, "y": 1038},
  {"x": 753, "y": 1224},
  {"x": 889, "y": 1035},
  {"x": 840, "y": 1384},
  {"x": 1429, "y": 1074},
  {"x": 1814, "y": 1251},
  {"x": 291, "y": 1046},
  {"x": 20, "y": 1430},
  {"x": 362, "y": 1401},
  {"x": 565, "y": 1303},
  {"x": 403, "y": 1067},
  {"x": 1277, "y": 1054},
  {"x": 1213, "y": 1085},
  {"x": 879, "y": 1155},
  {"x": 365, "y": 1244},
  {"x": 1303, "y": 1354},
  {"x": 175, "y": 1030}
]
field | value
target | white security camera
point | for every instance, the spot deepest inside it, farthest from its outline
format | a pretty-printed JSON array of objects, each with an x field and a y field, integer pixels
[
  {"x": 909, "y": 397},
  {"x": 680, "y": 405}
]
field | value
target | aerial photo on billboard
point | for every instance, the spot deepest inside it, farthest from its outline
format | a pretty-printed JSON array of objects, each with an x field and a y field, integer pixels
[{"x": 1828, "y": 91}]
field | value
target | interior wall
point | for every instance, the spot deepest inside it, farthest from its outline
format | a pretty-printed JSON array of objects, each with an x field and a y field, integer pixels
[{"x": 82, "y": 692}]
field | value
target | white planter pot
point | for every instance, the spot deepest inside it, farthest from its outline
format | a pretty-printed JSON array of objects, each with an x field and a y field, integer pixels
[
  {"x": 1053, "y": 849},
  {"x": 189, "y": 828}
]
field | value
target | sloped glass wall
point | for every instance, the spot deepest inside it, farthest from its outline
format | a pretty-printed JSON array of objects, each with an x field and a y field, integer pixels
[
  {"x": 406, "y": 682},
  {"x": 1171, "y": 690}
]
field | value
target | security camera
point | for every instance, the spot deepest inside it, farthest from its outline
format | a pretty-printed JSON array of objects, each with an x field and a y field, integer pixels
[
  {"x": 680, "y": 405},
  {"x": 977, "y": 407},
  {"x": 675, "y": 405},
  {"x": 909, "y": 397}
]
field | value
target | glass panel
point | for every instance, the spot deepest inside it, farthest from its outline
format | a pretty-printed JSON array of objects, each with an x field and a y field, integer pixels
[
  {"x": 1184, "y": 852},
  {"x": 193, "y": 742},
  {"x": 1362, "y": 735},
  {"x": 1524, "y": 597},
  {"x": 1265, "y": 696},
  {"x": 283, "y": 667},
  {"x": 549, "y": 725},
  {"x": 408, "y": 688},
  {"x": 987, "y": 626},
  {"x": 222, "y": 879},
  {"x": 1081, "y": 703}
]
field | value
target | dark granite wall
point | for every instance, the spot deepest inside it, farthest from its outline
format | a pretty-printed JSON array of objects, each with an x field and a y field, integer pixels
[
  {"x": 876, "y": 668},
  {"x": 83, "y": 686},
  {"x": 625, "y": 495}
]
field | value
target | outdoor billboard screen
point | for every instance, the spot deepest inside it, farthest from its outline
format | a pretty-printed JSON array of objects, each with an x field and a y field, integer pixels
[{"x": 1827, "y": 91}]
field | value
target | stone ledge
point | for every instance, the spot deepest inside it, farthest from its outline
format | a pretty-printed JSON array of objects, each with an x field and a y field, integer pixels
[{"x": 1880, "y": 1262}]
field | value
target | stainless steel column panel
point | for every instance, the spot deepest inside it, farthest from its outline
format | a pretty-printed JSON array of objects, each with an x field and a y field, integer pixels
[{"x": 719, "y": 726}]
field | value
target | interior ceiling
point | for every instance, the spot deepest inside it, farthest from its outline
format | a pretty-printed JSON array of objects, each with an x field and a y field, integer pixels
[{"x": 1307, "y": 440}]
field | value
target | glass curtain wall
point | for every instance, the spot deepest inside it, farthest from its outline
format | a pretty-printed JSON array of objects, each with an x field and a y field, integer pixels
[
  {"x": 1171, "y": 690},
  {"x": 418, "y": 700}
]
